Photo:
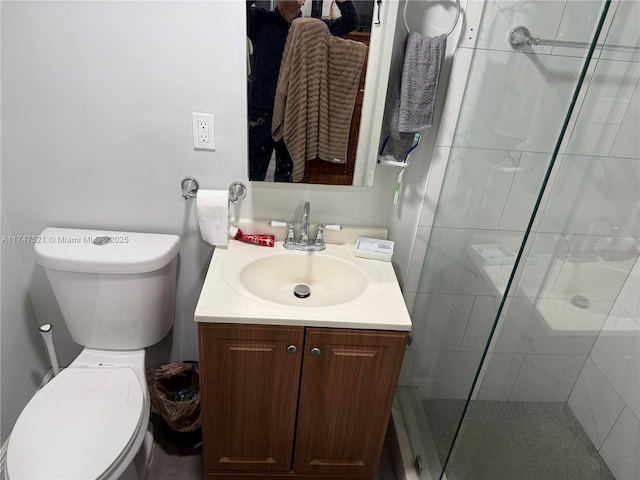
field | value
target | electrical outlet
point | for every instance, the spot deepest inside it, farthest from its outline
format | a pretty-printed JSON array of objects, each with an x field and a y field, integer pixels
[
  {"x": 203, "y": 131},
  {"x": 203, "y": 137}
]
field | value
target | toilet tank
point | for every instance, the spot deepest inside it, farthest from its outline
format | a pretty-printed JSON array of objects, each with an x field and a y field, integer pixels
[{"x": 116, "y": 290}]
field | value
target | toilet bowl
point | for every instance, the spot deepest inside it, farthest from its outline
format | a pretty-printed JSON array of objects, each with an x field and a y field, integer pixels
[
  {"x": 89, "y": 422},
  {"x": 86, "y": 423}
]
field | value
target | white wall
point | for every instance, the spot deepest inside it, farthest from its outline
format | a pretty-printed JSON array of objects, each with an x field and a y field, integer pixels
[
  {"x": 22, "y": 358},
  {"x": 96, "y": 128},
  {"x": 419, "y": 193},
  {"x": 97, "y": 99}
]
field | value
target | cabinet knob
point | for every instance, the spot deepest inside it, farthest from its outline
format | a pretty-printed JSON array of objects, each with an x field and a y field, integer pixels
[
  {"x": 292, "y": 349},
  {"x": 315, "y": 352}
]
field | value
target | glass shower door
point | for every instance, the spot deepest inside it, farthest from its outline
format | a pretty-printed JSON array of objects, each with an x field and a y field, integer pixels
[{"x": 528, "y": 399}]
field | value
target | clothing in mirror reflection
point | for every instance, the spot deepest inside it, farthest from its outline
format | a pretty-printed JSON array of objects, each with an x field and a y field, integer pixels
[{"x": 268, "y": 31}]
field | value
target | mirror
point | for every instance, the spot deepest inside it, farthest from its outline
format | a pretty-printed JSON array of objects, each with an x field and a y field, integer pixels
[{"x": 267, "y": 29}]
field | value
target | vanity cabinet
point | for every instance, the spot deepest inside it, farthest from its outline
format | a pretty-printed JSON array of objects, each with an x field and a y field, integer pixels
[{"x": 293, "y": 401}]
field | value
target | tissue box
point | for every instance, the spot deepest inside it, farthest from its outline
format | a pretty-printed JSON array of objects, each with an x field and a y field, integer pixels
[{"x": 491, "y": 254}]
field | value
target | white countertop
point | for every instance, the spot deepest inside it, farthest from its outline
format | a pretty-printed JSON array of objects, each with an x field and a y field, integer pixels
[{"x": 380, "y": 306}]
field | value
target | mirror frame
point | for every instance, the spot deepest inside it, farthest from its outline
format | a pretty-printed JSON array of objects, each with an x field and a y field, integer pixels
[
  {"x": 376, "y": 83},
  {"x": 375, "y": 91}
]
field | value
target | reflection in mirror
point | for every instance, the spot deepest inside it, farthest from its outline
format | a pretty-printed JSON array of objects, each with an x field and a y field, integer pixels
[{"x": 323, "y": 55}]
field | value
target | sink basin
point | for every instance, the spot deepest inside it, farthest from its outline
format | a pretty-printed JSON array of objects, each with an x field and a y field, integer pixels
[
  {"x": 575, "y": 298},
  {"x": 331, "y": 281},
  {"x": 595, "y": 281},
  {"x": 252, "y": 284}
]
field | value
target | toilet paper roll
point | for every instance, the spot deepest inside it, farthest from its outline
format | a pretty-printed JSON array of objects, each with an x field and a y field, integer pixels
[{"x": 213, "y": 215}]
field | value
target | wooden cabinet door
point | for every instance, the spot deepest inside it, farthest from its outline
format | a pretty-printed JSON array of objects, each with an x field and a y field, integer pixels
[
  {"x": 249, "y": 393},
  {"x": 346, "y": 393}
]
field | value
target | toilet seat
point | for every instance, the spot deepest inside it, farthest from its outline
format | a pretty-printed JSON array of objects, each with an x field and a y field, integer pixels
[{"x": 77, "y": 426}]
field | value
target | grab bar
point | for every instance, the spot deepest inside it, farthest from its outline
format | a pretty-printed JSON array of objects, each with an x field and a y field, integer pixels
[
  {"x": 520, "y": 36},
  {"x": 455, "y": 22}
]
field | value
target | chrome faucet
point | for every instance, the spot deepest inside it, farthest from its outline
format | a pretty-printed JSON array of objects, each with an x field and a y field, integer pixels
[{"x": 303, "y": 241}]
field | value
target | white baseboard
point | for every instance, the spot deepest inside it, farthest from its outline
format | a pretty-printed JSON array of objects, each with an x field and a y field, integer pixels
[{"x": 403, "y": 454}]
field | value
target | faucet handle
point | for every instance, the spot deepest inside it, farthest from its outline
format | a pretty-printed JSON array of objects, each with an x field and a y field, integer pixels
[
  {"x": 291, "y": 232},
  {"x": 319, "y": 234},
  {"x": 291, "y": 229}
]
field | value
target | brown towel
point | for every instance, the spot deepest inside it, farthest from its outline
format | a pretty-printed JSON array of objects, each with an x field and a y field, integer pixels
[{"x": 316, "y": 92}]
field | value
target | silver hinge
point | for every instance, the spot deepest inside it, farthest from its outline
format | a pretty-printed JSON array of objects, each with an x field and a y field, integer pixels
[{"x": 409, "y": 339}]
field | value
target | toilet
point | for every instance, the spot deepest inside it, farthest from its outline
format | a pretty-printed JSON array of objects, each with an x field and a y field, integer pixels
[{"x": 116, "y": 292}]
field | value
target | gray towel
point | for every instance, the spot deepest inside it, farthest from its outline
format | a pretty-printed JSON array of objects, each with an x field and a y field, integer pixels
[
  {"x": 423, "y": 58},
  {"x": 414, "y": 100}
]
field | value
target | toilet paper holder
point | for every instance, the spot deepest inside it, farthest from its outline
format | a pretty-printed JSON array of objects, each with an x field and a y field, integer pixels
[
  {"x": 237, "y": 191},
  {"x": 190, "y": 186}
]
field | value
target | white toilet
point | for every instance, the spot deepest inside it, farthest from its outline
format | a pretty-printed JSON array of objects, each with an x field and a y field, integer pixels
[{"x": 116, "y": 291}]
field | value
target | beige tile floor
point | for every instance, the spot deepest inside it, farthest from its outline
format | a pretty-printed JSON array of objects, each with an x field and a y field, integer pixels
[{"x": 171, "y": 462}]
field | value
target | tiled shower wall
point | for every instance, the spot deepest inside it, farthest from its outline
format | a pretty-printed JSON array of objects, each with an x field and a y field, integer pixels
[
  {"x": 606, "y": 396},
  {"x": 513, "y": 108}
]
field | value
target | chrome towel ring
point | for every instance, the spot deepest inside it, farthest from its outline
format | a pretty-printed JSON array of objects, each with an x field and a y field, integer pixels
[{"x": 455, "y": 22}]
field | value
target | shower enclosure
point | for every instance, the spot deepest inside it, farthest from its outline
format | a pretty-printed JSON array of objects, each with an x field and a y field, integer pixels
[{"x": 525, "y": 357}]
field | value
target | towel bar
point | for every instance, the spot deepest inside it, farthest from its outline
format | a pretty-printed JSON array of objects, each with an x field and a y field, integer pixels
[
  {"x": 520, "y": 36},
  {"x": 237, "y": 191},
  {"x": 455, "y": 22}
]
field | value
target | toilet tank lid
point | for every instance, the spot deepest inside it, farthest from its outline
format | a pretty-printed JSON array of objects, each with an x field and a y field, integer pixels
[{"x": 104, "y": 251}]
